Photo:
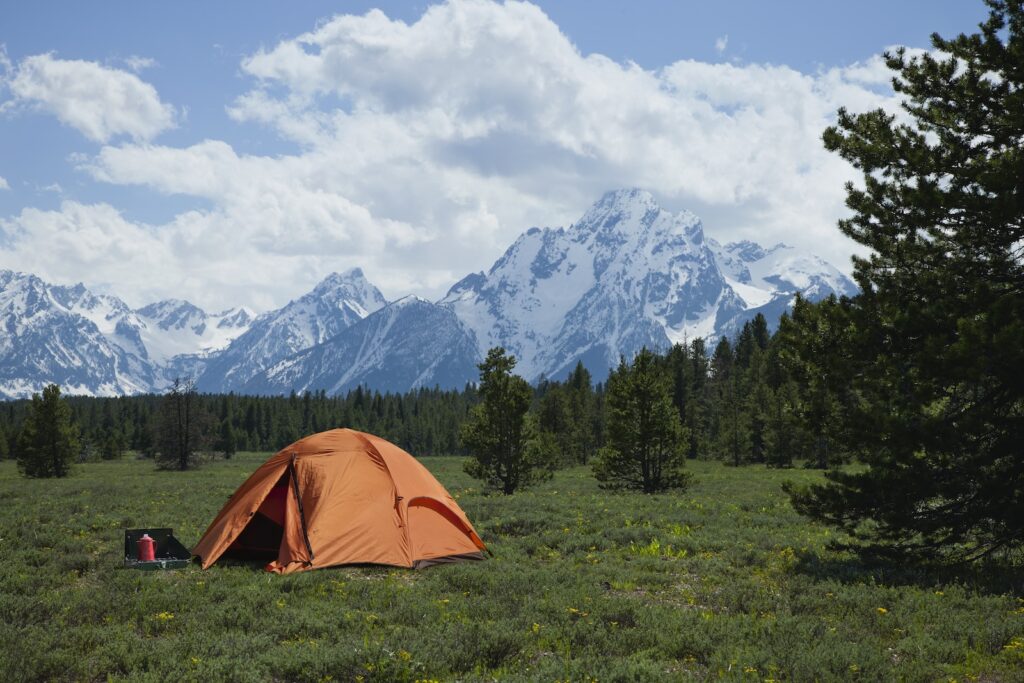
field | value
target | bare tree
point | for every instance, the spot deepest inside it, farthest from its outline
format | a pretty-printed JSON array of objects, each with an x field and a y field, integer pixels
[{"x": 181, "y": 427}]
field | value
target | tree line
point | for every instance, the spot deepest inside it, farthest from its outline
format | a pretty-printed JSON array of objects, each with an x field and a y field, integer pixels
[
  {"x": 423, "y": 421},
  {"x": 742, "y": 404}
]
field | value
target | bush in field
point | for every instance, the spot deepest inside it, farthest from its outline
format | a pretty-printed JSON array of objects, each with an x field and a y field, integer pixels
[
  {"x": 508, "y": 453},
  {"x": 49, "y": 441},
  {"x": 646, "y": 441}
]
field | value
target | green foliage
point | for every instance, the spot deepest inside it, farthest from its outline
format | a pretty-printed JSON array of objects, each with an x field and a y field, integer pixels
[
  {"x": 112, "y": 446},
  {"x": 5, "y": 449},
  {"x": 937, "y": 342},
  {"x": 569, "y": 413},
  {"x": 646, "y": 442},
  {"x": 48, "y": 442},
  {"x": 498, "y": 433},
  {"x": 732, "y": 430},
  {"x": 812, "y": 342},
  {"x": 692, "y": 391},
  {"x": 724, "y": 581},
  {"x": 785, "y": 433}
]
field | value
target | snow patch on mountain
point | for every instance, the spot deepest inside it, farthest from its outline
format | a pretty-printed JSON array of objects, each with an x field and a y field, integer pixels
[{"x": 175, "y": 327}]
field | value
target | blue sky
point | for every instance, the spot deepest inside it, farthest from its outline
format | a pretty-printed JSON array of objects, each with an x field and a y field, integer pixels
[{"x": 191, "y": 149}]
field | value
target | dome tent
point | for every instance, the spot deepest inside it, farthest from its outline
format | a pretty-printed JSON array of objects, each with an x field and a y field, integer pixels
[{"x": 340, "y": 497}]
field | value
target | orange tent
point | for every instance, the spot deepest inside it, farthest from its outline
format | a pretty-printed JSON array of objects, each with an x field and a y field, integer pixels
[{"x": 340, "y": 497}]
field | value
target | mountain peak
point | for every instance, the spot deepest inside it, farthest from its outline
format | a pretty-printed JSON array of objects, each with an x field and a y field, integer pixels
[
  {"x": 166, "y": 307},
  {"x": 627, "y": 196},
  {"x": 352, "y": 276},
  {"x": 614, "y": 204},
  {"x": 349, "y": 286}
]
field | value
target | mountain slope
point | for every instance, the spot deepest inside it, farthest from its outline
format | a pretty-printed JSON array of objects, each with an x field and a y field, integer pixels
[
  {"x": 408, "y": 344},
  {"x": 339, "y": 301}
]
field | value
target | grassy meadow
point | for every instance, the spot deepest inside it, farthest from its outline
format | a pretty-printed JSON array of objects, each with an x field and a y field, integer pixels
[{"x": 724, "y": 581}]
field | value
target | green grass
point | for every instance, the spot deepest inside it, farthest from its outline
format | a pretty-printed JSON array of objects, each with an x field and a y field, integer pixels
[{"x": 724, "y": 581}]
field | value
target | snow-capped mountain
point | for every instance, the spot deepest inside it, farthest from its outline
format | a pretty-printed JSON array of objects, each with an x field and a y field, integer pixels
[
  {"x": 339, "y": 301},
  {"x": 175, "y": 327},
  {"x": 627, "y": 274},
  {"x": 408, "y": 344},
  {"x": 86, "y": 343},
  {"x": 96, "y": 344}
]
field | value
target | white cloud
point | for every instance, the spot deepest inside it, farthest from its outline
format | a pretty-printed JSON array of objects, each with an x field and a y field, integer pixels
[
  {"x": 98, "y": 101},
  {"x": 3, "y": 183},
  {"x": 94, "y": 242},
  {"x": 721, "y": 43},
  {"x": 425, "y": 148},
  {"x": 137, "y": 63}
]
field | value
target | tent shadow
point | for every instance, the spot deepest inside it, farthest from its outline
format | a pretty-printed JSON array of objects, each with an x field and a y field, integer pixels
[
  {"x": 366, "y": 570},
  {"x": 241, "y": 563},
  {"x": 989, "y": 577}
]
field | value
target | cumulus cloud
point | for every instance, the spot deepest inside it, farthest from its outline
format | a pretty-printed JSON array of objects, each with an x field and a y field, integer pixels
[
  {"x": 721, "y": 43},
  {"x": 493, "y": 102},
  {"x": 3, "y": 183},
  {"x": 95, "y": 239},
  {"x": 98, "y": 101},
  {"x": 423, "y": 149}
]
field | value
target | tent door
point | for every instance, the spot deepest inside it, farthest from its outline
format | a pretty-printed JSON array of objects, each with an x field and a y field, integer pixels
[
  {"x": 298, "y": 500},
  {"x": 261, "y": 538}
]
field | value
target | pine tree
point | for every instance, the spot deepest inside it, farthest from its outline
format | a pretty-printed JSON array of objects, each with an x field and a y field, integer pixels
[
  {"x": 812, "y": 342},
  {"x": 939, "y": 327},
  {"x": 4, "y": 444},
  {"x": 48, "y": 442},
  {"x": 181, "y": 427},
  {"x": 697, "y": 419},
  {"x": 785, "y": 436},
  {"x": 646, "y": 447},
  {"x": 580, "y": 395},
  {"x": 507, "y": 455},
  {"x": 731, "y": 437},
  {"x": 758, "y": 405}
]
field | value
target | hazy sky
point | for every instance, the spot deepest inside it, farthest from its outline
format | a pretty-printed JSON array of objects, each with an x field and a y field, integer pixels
[{"x": 238, "y": 152}]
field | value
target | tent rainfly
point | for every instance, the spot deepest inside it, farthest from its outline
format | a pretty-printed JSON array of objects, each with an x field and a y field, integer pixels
[{"x": 341, "y": 497}]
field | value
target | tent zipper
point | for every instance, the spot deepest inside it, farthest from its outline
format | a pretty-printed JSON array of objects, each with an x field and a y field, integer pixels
[{"x": 302, "y": 514}]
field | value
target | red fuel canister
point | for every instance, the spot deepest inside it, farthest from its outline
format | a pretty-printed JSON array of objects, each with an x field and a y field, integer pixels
[{"x": 147, "y": 549}]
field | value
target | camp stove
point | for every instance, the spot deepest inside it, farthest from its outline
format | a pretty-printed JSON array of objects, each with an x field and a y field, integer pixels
[{"x": 150, "y": 549}]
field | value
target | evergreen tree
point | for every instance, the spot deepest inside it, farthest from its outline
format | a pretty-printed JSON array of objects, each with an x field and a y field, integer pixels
[
  {"x": 180, "y": 427},
  {"x": 784, "y": 434},
  {"x": 812, "y": 342},
  {"x": 228, "y": 443},
  {"x": 581, "y": 405},
  {"x": 758, "y": 405},
  {"x": 506, "y": 453},
  {"x": 697, "y": 419},
  {"x": 48, "y": 442},
  {"x": 112, "y": 447},
  {"x": 939, "y": 326},
  {"x": 646, "y": 442},
  {"x": 731, "y": 437}
]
